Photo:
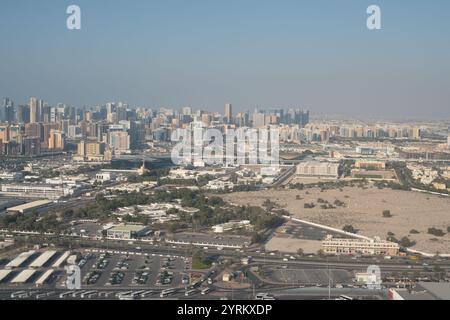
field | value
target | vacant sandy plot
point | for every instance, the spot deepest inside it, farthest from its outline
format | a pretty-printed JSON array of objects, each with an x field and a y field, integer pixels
[{"x": 363, "y": 210}]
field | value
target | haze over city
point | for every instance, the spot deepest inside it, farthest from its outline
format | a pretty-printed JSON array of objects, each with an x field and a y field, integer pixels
[{"x": 313, "y": 54}]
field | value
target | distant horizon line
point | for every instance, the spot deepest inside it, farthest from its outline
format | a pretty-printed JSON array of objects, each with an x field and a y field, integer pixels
[{"x": 324, "y": 116}]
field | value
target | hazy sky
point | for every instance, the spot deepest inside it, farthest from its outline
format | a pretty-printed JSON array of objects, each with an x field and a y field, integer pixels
[{"x": 204, "y": 53}]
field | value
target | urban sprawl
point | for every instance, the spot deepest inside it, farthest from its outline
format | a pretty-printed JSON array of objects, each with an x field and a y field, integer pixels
[{"x": 97, "y": 188}]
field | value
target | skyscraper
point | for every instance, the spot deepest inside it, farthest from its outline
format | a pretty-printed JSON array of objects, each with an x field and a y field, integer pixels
[
  {"x": 228, "y": 113},
  {"x": 7, "y": 113},
  {"x": 33, "y": 110},
  {"x": 23, "y": 114}
]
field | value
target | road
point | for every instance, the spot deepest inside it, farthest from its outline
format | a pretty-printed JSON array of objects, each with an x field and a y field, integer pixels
[{"x": 284, "y": 177}]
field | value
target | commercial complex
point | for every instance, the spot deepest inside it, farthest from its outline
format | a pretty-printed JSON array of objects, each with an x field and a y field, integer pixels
[
  {"x": 38, "y": 191},
  {"x": 318, "y": 169},
  {"x": 338, "y": 246}
]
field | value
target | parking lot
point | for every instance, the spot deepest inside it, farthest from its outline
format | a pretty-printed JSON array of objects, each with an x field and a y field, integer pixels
[
  {"x": 107, "y": 274},
  {"x": 303, "y": 231},
  {"x": 308, "y": 277},
  {"x": 123, "y": 270}
]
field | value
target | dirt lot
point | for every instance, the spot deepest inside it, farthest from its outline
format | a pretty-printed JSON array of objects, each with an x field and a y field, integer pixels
[
  {"x": 363, "y": 210},
  {"x": 291, "y": 245}
]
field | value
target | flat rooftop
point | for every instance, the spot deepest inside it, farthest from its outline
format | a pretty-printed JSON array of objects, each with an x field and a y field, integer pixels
[
  {"x": 30, "y": 205},
  {"x": 128, "y": 228}
]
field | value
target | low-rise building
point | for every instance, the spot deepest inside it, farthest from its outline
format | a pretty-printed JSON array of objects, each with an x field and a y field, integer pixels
[
  {"x": 127, "y": 231},
  {"x": 38, "y": 191},
  {"x": 30, "y": 207},
  {"x": 219, "y": 184},
  {"x": 318, "y": 169},
  {"x": 227, "y": 277},
  {"x": 370, "y": 165},
  {"x": 422, "y": 291},
  {"x": 232, "y": 225},
  {"x": 338, "y": 246},
  {"x": 11, "y": 176}
]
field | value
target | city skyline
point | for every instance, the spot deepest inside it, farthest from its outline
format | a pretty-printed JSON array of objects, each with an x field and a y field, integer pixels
[
  {"x": 224, "y": 153},
  {"x": 318, "y": 55}
]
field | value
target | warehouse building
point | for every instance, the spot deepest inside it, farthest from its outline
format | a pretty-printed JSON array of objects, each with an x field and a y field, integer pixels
[
  {"x": 30, "y": 207},
  {"x": 127, "y": 231},
  {"x": 10, "y": 203},
  {"x": 422, "y": 291}
]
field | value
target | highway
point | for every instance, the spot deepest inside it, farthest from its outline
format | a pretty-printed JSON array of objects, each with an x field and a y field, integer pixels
[
  {"x": 395, "y": 264},
  {"x": 284, "y": 177},
  {"x": 179, "y": 294}
]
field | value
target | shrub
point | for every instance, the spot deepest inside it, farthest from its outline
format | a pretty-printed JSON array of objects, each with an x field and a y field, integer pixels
[
  {"x": 350, "y": 229},
  {"x": 406, "y": 242},
  {"x": 436, "y": 232},
  {"x": 387, "y": 214}
]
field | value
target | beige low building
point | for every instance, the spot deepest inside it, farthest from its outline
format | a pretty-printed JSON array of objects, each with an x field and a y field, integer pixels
[
  {"x": 318, "y": 169},
  {"x": 339, "y": 246},
  {"x": 370, "y": 165}
]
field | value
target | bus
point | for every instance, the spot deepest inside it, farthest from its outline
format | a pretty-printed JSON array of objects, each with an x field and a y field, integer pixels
[
  {"x": 65, "y": 294},
  {"x": 190, "y": 292},
  {"x": 167, "y": 292},
  {"x": 87, "y": 293},
  {"x": 146, "y": 294},
  {"x": 206, "y": 291},
  {"x": 124, "y": 293},
  {"x": 17, "y": 294}
]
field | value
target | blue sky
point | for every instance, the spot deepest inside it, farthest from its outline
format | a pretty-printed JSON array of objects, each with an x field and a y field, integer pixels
[{"x": 205, "y": 53}]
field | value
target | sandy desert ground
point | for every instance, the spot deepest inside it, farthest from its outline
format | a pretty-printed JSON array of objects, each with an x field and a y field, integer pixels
[{"x": 363, "y": 210}]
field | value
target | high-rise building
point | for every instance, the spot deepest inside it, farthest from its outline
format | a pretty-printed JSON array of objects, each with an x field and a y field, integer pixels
[
  {"x": 56, "y": 140},
  {"x": 47, "y": 132},
  {"x": 228, "y": 113},
  {"x": 186, "y": 111},
  {"x": 91, "y": 150},
  {"x": 4, "y": 133},
  {"x": 119, "y": 141},
  {"x": 259, "y": 120},
  {"x": 3, "y": 110},
  {"x": 122, "y": 111},
  {"x": 23, "y": 114},
  {"x": 34, "y": 130},
  {"x": 206, "y": 119},
  {"x": 31, "y": 146},
  {"x": 34, "y": 112},
  {"x": 7, "y": 112},
  {"x": 242, "y": 119}
]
